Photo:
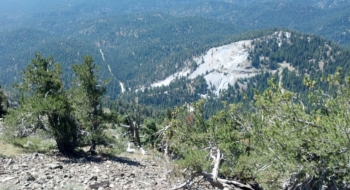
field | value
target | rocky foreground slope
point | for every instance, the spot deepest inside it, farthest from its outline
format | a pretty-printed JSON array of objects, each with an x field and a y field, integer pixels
[{"x": 40, "y": 171}]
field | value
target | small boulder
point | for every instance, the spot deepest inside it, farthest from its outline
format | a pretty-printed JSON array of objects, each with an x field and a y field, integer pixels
[
  {"x": 28, "y": 177},
  {"x": 54, "y": 166},
  {"x": 103, "y": 184},
  {"x": 93, "y": 178},
  {"x": 9, "y": 162}
]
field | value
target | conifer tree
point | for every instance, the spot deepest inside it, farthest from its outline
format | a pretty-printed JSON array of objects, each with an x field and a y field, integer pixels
[
  {"x": 87, "y": 98},
  {"x": 283, "y": 142},
  {"x": 64, "y": 114},
  {"x": 44, "y": 105}
]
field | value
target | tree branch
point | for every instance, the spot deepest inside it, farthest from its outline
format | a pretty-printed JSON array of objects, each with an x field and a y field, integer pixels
[{"x": 213, "y": 178}]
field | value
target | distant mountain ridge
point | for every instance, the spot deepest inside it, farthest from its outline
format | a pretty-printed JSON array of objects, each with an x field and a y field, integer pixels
[
  {"x": 328, "y": 18},
  {"x": 146, "y": 41}
]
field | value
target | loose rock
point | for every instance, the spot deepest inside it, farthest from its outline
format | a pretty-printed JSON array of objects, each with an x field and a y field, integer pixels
[{"x": 39, "y": 171}]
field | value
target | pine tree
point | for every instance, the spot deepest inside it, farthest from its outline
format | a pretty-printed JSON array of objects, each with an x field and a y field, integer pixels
[
  {"x": 44, "y": 105},
  {"x": 87, "y": 97},
  {"x": 284, "y": 142}
]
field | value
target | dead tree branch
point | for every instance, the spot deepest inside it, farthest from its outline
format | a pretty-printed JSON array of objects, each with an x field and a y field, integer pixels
[{"x": 213, "y": 178}]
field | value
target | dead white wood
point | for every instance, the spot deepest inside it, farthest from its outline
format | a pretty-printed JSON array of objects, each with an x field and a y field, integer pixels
[
  {"x": 143, "y": 151},
  {"x": 166, "y": 153},
  {"x": 130, "y": 150},
  {"x": 187, "y": 183},
  {"x": 217, "y": 161},
  {"x": 213, "y": 178}
]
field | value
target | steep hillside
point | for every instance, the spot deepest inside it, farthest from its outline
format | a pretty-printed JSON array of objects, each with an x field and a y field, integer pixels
[
  {"x": 130, "y": 49},
  {"x": 139, "y": 42},
  {"x": 231, "y": 70},
  {"x": 220, "y": 66}
]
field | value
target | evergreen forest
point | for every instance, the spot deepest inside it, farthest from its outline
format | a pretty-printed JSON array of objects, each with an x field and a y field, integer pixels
[{"x": 95, "y": 77}]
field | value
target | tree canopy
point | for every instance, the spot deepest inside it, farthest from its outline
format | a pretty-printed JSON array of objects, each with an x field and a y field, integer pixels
[
  {"x": 282, "y": 141},
  {"x": 62, "y": 113}
]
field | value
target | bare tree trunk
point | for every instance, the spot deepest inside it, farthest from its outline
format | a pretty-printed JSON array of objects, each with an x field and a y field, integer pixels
[
  {"x": 134, "y": 133},
  {"x": 66, "y": 134},
  {"x": 166, "y": 152},
  {"x": 66, "y": 147},
  {"x": 137, "y": 136},
  {"x": 138, "y": 125},
  {"x": 213, "y": 178}
]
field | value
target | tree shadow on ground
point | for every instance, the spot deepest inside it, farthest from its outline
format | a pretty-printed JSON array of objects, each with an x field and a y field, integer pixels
[{"x": 84, "y": 158}]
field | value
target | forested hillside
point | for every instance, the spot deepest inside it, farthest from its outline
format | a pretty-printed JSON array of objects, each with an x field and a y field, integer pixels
[
  {"x": 229, "y": 94},
  {"x": 324, "y": 17},
  {"x": 129, "y": 49},
  {"x": 136, "y": 43},
  {"x": 288, "y": 56},
  {"x": 170, "y": 31}
]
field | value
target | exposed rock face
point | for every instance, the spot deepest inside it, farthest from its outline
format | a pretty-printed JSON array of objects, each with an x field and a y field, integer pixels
[{"x": 39, "y": 171}]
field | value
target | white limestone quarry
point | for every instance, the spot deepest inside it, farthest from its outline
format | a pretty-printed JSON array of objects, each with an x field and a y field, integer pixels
[
  {"x": 220, "y": 66},
  {"x": 223, "y": 66},
  {"x": 171, "y": 78}
]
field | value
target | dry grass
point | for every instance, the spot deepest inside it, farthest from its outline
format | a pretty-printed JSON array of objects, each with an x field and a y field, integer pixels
[
  {"x": 136, "y": 155},
  {"x": 15, "y": 147},
  {"x": 9, "y": 150}
]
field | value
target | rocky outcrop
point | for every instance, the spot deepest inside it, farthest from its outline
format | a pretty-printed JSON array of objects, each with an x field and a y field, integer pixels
[{"x": 40, "y": 171}]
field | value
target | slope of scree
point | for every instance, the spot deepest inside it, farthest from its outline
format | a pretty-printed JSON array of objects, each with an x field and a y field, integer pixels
[{"x": 40, "y": 171}]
